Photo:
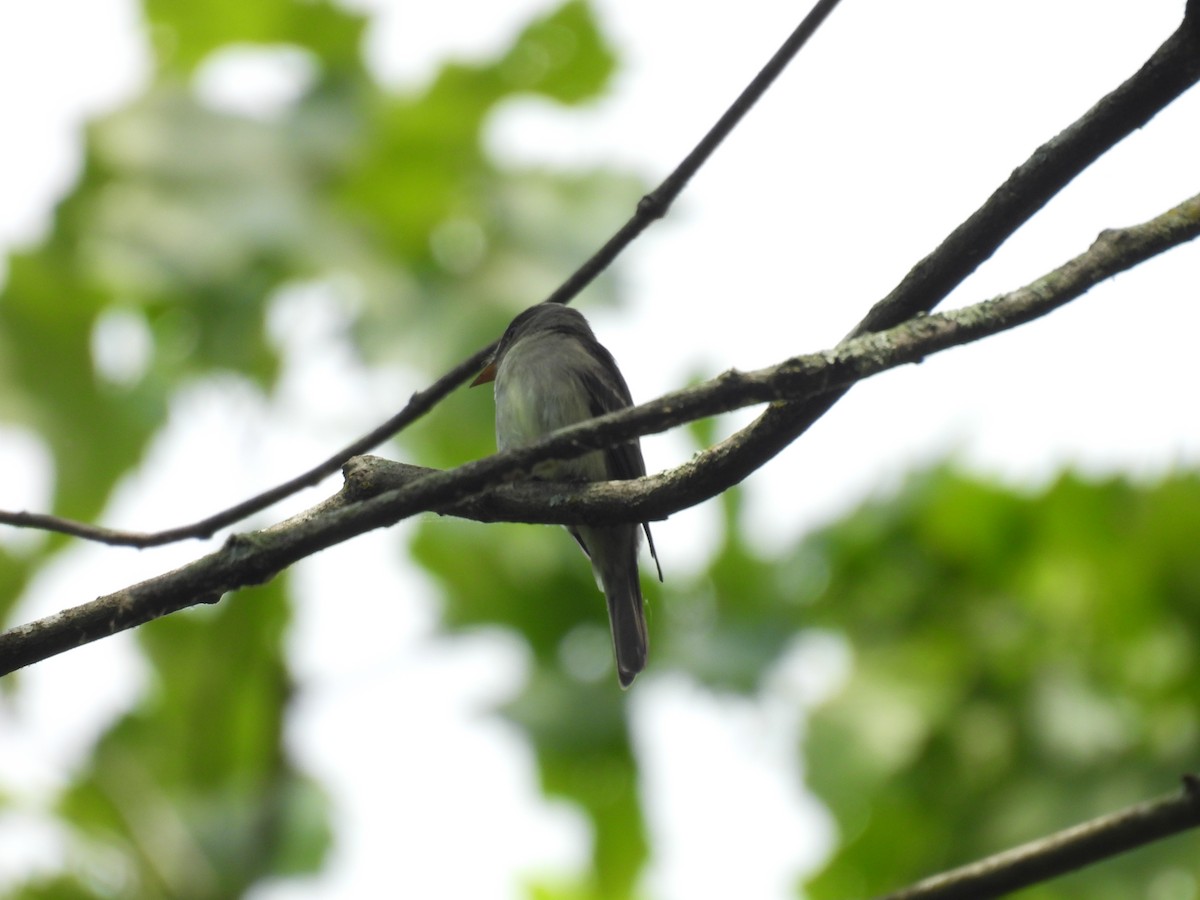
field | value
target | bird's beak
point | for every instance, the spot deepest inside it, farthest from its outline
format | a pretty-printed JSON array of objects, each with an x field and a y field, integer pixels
[{"x": 488, "y": 374}]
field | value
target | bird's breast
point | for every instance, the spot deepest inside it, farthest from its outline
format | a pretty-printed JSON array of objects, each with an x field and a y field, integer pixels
[{"x": 538, "y": 391}]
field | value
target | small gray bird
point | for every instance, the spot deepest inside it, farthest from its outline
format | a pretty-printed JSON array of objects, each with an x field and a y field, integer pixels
[{"x": 551, "y": 372}]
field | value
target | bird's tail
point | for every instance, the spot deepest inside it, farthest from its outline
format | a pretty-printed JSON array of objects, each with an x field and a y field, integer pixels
[
  {"x": 628, "y": 622},
  {"x": 613, "y": 550},
  {"x": 626, "y": 616}
]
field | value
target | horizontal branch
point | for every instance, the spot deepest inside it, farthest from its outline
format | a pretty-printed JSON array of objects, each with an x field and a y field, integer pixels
[
  {"x": 418, "y": 405},
  {"x": 364, "y": 505},
  {"x": 1066, "y": 851}
]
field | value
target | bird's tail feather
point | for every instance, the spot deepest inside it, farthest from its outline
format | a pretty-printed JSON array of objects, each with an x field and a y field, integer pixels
[
  {"x": 613, "y": 551},
  {"x": 628, "y": 621}
]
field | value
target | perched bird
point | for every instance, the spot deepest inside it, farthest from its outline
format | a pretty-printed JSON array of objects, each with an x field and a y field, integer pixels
[{"x": 551, "y": 372}]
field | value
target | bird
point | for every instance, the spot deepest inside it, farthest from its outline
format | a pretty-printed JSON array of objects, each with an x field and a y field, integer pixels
[{"x": 549, "y": 371}]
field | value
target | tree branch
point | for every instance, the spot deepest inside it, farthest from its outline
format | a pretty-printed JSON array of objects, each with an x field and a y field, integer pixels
[
  {"x": 651, "y": 208},
  {"x": 794, "y": 380},
  {"x": 376, "y": 497},
  {"x": 1171, "y": 69},
  {"x": 1066, "y": 851}
]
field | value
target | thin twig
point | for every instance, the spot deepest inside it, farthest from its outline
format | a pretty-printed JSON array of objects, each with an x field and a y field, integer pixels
[
  {"x": 419, "y": 404},
  {"x": 1041, "y": 860},
  {"x": 259, "y": 556},
  {"x": 651, "y": 207}
]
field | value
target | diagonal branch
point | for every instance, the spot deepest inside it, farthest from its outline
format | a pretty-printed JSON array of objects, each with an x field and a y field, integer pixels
[
  {"x": 1172, "y": 69},
  {"x": 1066, "y": 851},
  {"x": 376, "y": 498},
  {"x": 651, "y": 207}
]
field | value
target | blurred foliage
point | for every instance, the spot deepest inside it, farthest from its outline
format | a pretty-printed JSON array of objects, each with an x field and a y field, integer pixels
[
  {"x": 1021, "y": 662},
  {"x": 187, "y": 222},
  {"x": 191, "y": 794}
]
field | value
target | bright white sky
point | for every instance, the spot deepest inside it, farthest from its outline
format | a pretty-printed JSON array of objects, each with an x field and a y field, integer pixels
[{"x": 894, "y": 125}]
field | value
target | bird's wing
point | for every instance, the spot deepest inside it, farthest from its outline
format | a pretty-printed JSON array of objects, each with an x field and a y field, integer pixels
[{"x": 608, "y": 392}]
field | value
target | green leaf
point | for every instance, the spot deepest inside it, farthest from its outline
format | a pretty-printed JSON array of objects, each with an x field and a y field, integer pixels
[
  {"x": 562, "y": 56},
  {"x": 185, "y": 33}
]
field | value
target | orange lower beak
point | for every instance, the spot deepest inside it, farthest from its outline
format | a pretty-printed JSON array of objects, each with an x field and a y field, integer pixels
[{"x": 488, "y": 374}]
